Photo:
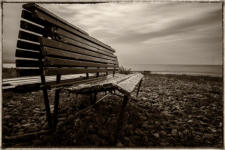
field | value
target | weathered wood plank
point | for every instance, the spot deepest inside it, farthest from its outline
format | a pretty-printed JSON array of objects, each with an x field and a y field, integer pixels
[
  {"x": 58, "y": 62},
  {"x": 28, "y": 36},
  {"x": 28, "y": 72},
  {"x": 29, "y": 16},
  {"x": 62, "y": 71},
  {"x": 63, "y": 46},
  {"x": 75, "y": 82},
  {"x": 130, "y": 84},
  {"x": 27, "y": 54},
  {"x": 23, "y": 81},
  {"x": 31, "y": 27},
  {"x": 27, "y": 63},
  {"x": 27, "y": 45},
  {"x": 109, "y": 82},
  {"x": 84, "y": 45},
  {"x": 47, "y": 51},
  {"x": 62, "y": 33}
]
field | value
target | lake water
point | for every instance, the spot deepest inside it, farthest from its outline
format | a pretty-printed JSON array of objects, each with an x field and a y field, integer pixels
[{"x": 212, "y": 70}]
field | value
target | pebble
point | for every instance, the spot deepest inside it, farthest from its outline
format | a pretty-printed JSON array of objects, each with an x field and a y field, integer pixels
[
  {"x": 119, "y": 144},
  {"x": 163, "y": 133},
  {"x": 144, "y": 98},
  {"x": 7, "y": 117},
  {"x": 26, "y": 125},
  {"x": 145, "y": 124},
  {"x": 156, "y": 135},
  {"x": 174, "y": 132},
  {"x": 138, "y": 131}
]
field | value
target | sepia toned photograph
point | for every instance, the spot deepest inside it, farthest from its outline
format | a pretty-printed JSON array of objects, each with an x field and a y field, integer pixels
[{"x": 113, "y": 74}]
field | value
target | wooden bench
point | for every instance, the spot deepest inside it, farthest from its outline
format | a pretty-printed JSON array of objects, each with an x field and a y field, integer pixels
[{"x": 50, "y": 46}]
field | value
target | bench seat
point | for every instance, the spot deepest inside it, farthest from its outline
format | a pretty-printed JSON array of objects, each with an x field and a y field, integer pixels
[{"x": 121, "y": 82}]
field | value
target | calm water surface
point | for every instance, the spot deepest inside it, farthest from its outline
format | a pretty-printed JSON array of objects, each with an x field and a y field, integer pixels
[{"x": 213, "y": 70}]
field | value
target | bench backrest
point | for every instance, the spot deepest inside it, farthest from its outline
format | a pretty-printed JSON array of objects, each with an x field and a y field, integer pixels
[{"x": 49, "y": 45}]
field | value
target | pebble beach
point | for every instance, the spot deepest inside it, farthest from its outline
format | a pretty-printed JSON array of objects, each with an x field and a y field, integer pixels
[{"x": 170, "y": 111}]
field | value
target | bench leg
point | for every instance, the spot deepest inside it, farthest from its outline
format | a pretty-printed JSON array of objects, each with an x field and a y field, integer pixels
[
  {"x": 93, "y": 97},
  {"x": 47, "y": 108},
  {"x": 56, "y": 104},
  {"x": 120, "y": 119},
  {"x": 139, "y": 86}
]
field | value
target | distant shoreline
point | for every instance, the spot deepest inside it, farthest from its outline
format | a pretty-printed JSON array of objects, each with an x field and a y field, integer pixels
[
  {"x": 185, "y": 73},
  {"x": 8, "y": 66}
]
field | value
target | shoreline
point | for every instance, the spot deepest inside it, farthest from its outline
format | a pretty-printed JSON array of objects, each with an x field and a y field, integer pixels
[
  {"x": 186, "y": 73},
  {"x": 8, "y": 73}
]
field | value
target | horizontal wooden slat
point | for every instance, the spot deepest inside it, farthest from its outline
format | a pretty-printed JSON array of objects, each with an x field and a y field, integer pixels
[
  {"x": 61, "y": 45},
  {"x": 28, "y": 16},
  {"x": 62, "y": 71},
  {"x": 69, "y": 35},
  {"x": 49, "y": 61},
  {"x": 27, "y": 54},
  {"x": 27, "y": 45},
  {"x": 28, "y": 72},
  {"x": 28, "y": 36},
  {"x": 99, "y": 85},
  {"x": 27, "y": 63},
  {"x": 74, "y": 82},
  {"x": 127, "y": 86},
  {"x": 45, "y": 15},
  {"x": 83, "y": 45},
  {"x": 47, "y": 51},
  {"x": 31, "y": 27}
]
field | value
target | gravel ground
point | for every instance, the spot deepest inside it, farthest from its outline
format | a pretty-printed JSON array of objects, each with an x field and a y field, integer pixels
[{"x": 171, "y": 111}]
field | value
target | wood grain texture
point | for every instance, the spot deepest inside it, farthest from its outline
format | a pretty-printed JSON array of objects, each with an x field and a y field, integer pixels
[
  {"x": 70, "y": 70},
  {"x": 27, "y": 63},
  {"x": 59, "y": 62},
  {"x": 47, "y": 51},
  {"x": 127, "y": 86},
  {"x": 83, "y": 45},
  {"x": 31, "y": 27},
  {"x": 29, "y": 16},
  {"x": 27, "y": 45},
  {"x": 123, "y": 83},
  {"x": 27, "y": 54},
  {"x": 71, "y": 48},
  {"x": 28, "y": 72},
  {"x": 28, "y": 36},
  {"x": 64, "y": 33}
]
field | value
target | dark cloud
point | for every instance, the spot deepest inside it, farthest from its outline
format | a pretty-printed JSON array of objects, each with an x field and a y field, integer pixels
[{"x": 178, "y": 26}]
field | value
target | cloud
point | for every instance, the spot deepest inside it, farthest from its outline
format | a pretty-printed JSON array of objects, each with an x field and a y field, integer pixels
[
  {"x": 150, "y": 32},
  {"x": 177, "y": 26}
]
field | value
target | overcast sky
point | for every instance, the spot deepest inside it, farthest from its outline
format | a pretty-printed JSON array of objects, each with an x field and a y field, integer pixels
[{"x": 141, "y": 33}]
